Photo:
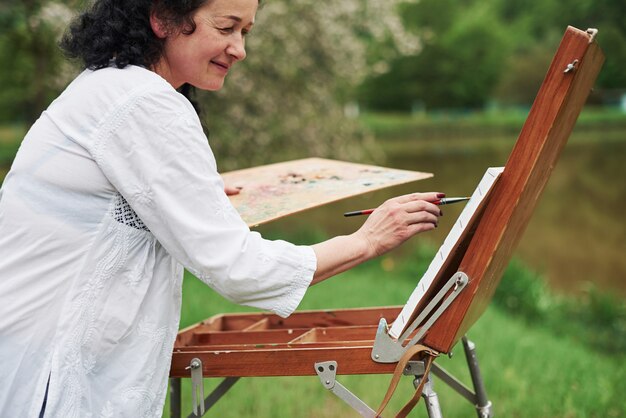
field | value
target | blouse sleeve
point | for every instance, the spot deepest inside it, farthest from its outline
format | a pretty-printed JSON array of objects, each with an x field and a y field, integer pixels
[{"x": 154, "y": 152}]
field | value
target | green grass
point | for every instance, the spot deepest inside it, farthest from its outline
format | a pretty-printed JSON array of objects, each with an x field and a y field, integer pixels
[
  {"x": 384, "y": 122},
  {"x": 530, "y": 368},
  {"x": 483, "y": 124}
]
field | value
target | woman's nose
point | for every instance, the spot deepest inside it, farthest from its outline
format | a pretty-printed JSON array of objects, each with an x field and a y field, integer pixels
[{"x": 237, "y": 48}]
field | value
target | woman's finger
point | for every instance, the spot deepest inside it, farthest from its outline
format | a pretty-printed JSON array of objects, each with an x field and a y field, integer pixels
[
  {"x": 422, "y": 205},
  {"x": 421, "y": 227},
  {"x": 430, "y": 197},
  {"x": 231, "y": 191},
  {"x": 422, "y": 217}
]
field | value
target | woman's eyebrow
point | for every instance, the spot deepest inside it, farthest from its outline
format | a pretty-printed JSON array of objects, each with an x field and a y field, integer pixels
[
  {"x": 232, "y": 17},
  {"x": 236, "y": 19}
]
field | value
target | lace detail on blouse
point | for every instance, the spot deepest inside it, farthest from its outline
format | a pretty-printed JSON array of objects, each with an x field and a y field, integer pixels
[{"x": 124, "y": 214}]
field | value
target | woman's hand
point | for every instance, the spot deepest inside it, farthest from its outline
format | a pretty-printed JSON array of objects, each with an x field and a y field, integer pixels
[
  {"x": 230, "y": 191},
  {"x": 398, "y": 219},
  {"x": 388, "y": 226}
]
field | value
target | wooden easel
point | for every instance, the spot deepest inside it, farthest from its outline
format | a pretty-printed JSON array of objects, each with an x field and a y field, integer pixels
[{"x": 354, "y": 341}]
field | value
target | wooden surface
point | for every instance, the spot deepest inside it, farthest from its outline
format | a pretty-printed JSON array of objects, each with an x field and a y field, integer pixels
[
  {"x": 273, "y": 191},
  {"x": 264, "y": 344},
  {"x": 510, "y": 206}
]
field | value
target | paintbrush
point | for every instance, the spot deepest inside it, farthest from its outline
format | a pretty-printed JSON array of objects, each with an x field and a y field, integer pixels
[{"x": 439, "y": 202}]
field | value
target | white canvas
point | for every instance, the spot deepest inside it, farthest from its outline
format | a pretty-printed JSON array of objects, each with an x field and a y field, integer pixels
[{"x": 451, "y": 241}]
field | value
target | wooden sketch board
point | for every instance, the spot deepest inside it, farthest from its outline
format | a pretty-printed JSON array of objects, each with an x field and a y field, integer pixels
[
  {"x": 446, "y": 252},
  {"x": 485, "y": 253},
  {"x": 273, "y": 191}
]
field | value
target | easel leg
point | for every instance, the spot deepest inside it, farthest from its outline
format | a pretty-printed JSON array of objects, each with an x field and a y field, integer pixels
[
  {"x": 209, "y": 401},
  {"x": 219, "y": 391},
  {"x": 327, "y": 374},
  {"x": 430, "y": 398},
  {"x": 175, "y": 398},
  {"x": 483, "y": 405}
]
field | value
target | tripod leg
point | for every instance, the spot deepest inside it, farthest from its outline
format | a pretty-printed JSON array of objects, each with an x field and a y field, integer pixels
[
  {"x": 483, "y": 405},
  {"x": 175, "y": 401},
  {"x": 430, "y": 398}
]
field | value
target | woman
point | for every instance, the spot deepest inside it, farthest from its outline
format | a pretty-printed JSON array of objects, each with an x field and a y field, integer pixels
[{"x": 114, "y": 190}]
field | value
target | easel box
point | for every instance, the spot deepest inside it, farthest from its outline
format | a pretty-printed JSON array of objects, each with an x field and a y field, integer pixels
[{"x": 264, "y": 344}]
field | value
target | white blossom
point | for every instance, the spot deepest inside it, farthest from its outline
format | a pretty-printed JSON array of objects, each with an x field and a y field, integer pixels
[{"x": 286, "y": 100}]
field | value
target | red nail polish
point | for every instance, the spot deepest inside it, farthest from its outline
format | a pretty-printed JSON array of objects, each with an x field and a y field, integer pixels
[{"x": 440, "y": 195}]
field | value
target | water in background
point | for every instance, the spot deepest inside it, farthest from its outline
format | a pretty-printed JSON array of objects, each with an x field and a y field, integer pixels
[{"x": 577, "y": 234}]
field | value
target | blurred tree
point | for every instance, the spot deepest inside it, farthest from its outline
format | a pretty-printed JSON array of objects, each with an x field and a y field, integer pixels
[
  {"x": 285, "y": 99},
  {"x": 476, "y": 51},
  {"x": 541, "y": 24},
  {"x": 33, "y": 70},
  {"x": 306, "y": 57},
  {"x": 458, "y": 66},
  {"x": 613, "y": 42},
  {"x": 524, "y": 71}
]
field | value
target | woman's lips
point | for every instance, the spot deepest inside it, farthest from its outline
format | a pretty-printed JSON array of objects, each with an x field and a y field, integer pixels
[{"x": 221, "y": 66}]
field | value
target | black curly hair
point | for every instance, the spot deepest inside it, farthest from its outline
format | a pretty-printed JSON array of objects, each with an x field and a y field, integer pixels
[{"x": 118, "y": 32}]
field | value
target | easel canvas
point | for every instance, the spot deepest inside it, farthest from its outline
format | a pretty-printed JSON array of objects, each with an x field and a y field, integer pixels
[
  {"x": 265, "y": 345},
  {"x": 446, "y": 254}
]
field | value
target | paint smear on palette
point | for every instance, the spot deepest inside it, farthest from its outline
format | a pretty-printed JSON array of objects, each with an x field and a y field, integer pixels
[{"x": 273, "y": 191}]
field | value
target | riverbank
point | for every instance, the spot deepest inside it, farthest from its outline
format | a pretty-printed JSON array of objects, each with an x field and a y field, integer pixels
[{"x": 479, "y": 124}]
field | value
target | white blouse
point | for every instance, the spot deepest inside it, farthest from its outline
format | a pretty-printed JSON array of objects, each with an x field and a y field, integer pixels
[{"x": 113, "y": 191}]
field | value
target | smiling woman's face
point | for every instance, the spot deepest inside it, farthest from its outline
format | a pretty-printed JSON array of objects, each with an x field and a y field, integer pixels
[{"x": 204, "y": 57}]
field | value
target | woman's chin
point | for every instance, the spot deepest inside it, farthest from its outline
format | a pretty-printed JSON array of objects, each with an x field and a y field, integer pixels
[{"x": 210, "y": 85}]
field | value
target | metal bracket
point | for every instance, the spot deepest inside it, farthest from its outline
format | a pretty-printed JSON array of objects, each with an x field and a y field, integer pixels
[
  {"x": 327, "y": 372},
  {"x": 414, "y": 368},
  {"x": 593, "y": 32},
  {"x": 197, "y": 386},
  {"x": 570, "y": 67},
  {"x": 389, "y": 350}
]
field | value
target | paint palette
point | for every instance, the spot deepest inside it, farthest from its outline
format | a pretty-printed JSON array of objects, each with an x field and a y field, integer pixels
[{"x": 273, "y": 191}]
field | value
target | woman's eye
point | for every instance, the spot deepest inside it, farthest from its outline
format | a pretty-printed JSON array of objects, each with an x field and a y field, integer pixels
[{"x": 226, "y": 30}]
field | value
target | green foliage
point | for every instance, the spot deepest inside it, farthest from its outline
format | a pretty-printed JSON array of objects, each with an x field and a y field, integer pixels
[
  {"x": 10, "y": 139},
  {"x": 597, "y": 319},
  {"x": 613, "y": 42},
  {"x": 463, "y": 126},
  {"x": 33, "y": 71},
  {"x": 289, "y": 94},
  {"x": 303, "y": 59},
  {"x": 460, "y": 61},
  {"x": 475, "y": 53},
  {"x": 521, "y": 292}
]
